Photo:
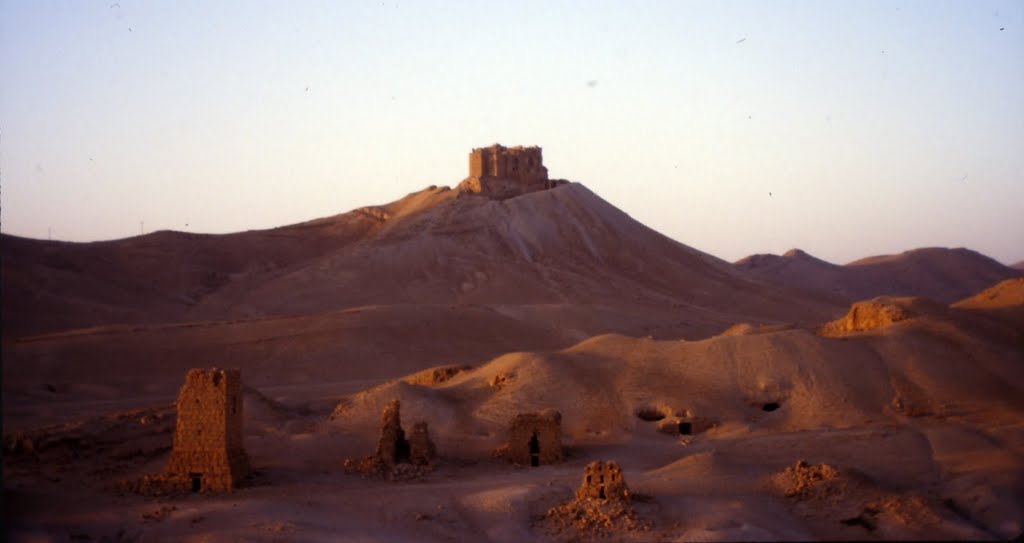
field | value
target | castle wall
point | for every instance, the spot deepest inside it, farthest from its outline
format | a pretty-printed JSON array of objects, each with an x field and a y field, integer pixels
[
  {"x": 208, "y": 450},
  {"x": 523, "y": 164}
]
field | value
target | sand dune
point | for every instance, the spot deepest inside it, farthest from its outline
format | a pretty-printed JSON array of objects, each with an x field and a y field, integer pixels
[
  {"x": 945, "y": 275},
  {"x": 919, "y": 416}
]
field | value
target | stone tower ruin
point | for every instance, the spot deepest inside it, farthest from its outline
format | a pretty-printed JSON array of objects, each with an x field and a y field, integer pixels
[
  {"x": 208, "y": 454},
  {"x": 393, "y": 447},
  {"x": 502, "y": 172},
  {"x": 535, "y": 438},
  {"x": 603, "y": 481}
]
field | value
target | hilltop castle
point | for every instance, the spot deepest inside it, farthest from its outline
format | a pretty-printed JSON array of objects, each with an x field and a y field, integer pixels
[{"x": 503, "y": 172}]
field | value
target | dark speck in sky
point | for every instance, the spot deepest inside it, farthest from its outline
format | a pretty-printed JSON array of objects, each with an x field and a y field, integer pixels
[
  {"x": 741, "y": 40},
  {"x": 592, "y": 83},
  {"x": 1002, "y": 28}
]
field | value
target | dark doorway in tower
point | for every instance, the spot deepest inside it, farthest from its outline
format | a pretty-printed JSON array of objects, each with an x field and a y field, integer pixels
[
  {"x": 197, "y": 481},
  {"x": 534, "y": 450},
  {"x": 771, "y": 406},
  {"x": 402, "y": 450},
  {"x": 686, "y": 428}
]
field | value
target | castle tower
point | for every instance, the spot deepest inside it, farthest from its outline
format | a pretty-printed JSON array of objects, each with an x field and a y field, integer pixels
[
  {"x": 502, "y": 172},
  {"x": 208, "y": 454}
]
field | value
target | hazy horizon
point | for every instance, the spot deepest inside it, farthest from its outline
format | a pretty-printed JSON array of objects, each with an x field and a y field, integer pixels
[{"x": 845, "y": 130}]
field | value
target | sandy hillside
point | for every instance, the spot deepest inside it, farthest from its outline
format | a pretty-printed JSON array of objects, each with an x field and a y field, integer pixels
[
  {"x": 442, "y": 276},
  {"x": 941, "y": 274},
  {"x": 437, "y": 246},
  {"x": 906, "y": 413}
]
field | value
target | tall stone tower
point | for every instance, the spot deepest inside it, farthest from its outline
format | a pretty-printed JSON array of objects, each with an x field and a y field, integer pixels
[
  {"x": 502, "y": 172},
  {"x": 208, "y": 454}
]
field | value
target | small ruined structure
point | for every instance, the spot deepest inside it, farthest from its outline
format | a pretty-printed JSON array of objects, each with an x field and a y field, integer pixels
[
  {"x": 535, "y": 438},
  {"x": 421, "y": 449},
  {"x": 208, "y": 454},
  {"x": 397, "y": 457},
  {"x": 685, "y": 426},
  {"x": 603, "y": 481},
  {"x": 502, "y": 172},
  {"x": 602, "y": 507},
  {"x": 392, "y": 448}
]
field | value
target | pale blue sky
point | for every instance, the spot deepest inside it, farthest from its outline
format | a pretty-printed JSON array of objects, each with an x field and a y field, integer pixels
[{"x": 877, "y": 126}]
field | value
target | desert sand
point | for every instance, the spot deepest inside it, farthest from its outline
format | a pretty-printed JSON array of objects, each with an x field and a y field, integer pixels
[{"x": 811, "y": 414}]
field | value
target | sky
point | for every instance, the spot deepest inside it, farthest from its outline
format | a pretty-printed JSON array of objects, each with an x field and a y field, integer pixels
[{"x": 846, "y": 129}]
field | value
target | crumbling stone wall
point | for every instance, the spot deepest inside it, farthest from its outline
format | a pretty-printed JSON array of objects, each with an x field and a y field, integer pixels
[
  {"x": 535, "y": 438},
  {"x": 603, "y": 481},
  {"x": 208, "y": 453},
  {"x": 393, "y": 448}
]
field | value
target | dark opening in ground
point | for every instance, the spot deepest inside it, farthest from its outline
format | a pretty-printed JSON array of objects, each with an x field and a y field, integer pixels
[
  {"x": 686, "y": 428},
  {"x": 860, "y": 520},
  {"x": 648, "y": 414},
  {"x": 771, "y": 406}
]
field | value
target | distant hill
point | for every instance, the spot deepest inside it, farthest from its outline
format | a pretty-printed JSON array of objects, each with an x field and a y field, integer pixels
[
  {"x": 1018, "y": 266},
  {"x": 559, "y": 255},
  {"x": 940, "y": 274}
]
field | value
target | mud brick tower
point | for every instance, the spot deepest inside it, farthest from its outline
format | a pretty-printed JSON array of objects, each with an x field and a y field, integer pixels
[{"x": 208, "y": 455}]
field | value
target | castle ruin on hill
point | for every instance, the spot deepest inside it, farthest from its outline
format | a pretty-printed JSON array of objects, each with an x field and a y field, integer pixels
[
  {"x": 502, "y": 172},
  {"x": 208, "y": 454}
]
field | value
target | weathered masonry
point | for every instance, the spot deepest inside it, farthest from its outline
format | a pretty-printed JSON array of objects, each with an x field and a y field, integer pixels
[
  {"x": 535, "y": 438},
  {"x": 208, "y": 453},
  {"x": 503, "y": 172},
  {"x": 603, "y": 481}
]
